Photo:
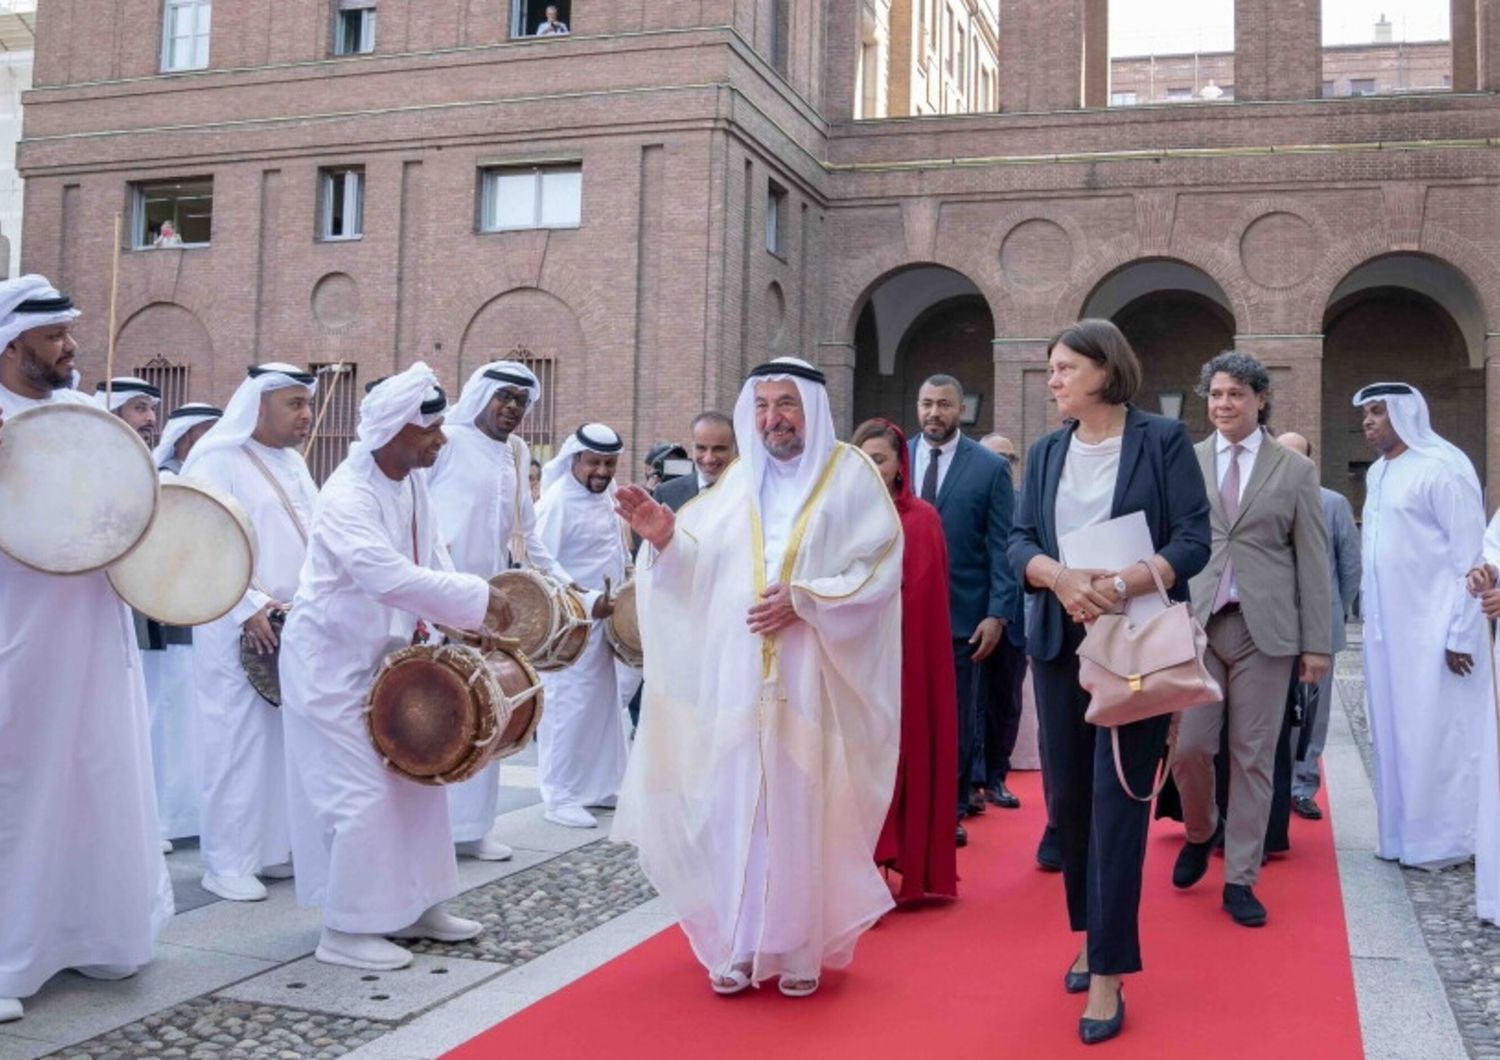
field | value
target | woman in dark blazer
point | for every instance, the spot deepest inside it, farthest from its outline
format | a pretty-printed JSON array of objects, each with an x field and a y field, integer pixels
[{"x": 1109, "y": 460}]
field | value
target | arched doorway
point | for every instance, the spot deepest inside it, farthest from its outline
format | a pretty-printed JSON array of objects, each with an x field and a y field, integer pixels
[
  {"x": 917, "y": 322},
  {"x": 1408, "y": 318},
  {"x": 1176, "y": 318}
]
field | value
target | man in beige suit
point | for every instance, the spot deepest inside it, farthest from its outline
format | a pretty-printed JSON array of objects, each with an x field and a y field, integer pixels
[{"x": 1264, "y": 599}]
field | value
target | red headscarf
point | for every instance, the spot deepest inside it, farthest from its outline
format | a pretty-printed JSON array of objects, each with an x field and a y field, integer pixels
[{"x": 919, "y": 835}]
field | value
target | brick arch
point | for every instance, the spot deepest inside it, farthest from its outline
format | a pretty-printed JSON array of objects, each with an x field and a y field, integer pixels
[
  {"x": 169, "y": 330},
  {"x": 1100, "y": 264},
  {"x": 885, "y": 265}
]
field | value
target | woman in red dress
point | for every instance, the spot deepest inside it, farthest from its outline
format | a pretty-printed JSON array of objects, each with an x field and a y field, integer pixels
[{"x": 919, "y": 840}]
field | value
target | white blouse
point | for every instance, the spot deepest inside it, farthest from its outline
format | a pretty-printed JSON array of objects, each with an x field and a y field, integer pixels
[{"x": 1086, "y": 491}]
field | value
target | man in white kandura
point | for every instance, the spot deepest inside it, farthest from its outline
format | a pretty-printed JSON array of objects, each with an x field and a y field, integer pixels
[
  {"x": 133, "y": 400},
  {"x": 82, "y": 880},
  {"x": 372, "y": 848},
  {"x": 481, "y": 493},
  {"x": 1484, "y": 581},
  {"x": 167, "y": 658},
  {"x": 1427, "y": 682},
  {"x": 581, "y": 742},
  {"x": 764, "y": 765},
  {"x": 252, "y": 454}
]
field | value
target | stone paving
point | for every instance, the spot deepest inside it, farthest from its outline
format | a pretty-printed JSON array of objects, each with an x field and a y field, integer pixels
[{"x": 1465, "y": 950}]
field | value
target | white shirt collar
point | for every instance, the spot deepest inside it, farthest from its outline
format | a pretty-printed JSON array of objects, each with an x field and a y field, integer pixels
[
  {"x": 947, "y": 447},
  {"x": 1251, "y": 443}
]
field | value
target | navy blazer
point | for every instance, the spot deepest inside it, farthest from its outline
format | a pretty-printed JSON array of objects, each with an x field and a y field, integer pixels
[
  {"x": 1159, "y": 475},
  {"x": 976, "y": 502}
]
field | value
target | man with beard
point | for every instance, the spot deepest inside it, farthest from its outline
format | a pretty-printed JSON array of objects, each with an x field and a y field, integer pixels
[
  {"x": 133, "y": 400},
  {"x": 373, "y": 848},
  {"x": 252, "y": 454},
  {"x": 972, "y": 490},
  {"x": 581, "y": 741},
  {"x": 85, "y": 886},
  {"x": 483, "y": 503}
]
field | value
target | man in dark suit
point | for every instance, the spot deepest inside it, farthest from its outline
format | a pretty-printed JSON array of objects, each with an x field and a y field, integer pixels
[
  {"x": 1000, "y": 712},
  {"x": 713, "y": 451},
  {"x": 972, "y": 491}
]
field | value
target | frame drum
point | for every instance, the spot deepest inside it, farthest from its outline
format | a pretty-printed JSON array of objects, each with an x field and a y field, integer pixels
[
  {"x": 623, "y": 628},
  {"x": 264, "y": 671},
  {"x": 195, "y": 562},
  {"x": 78, "y": 488}
]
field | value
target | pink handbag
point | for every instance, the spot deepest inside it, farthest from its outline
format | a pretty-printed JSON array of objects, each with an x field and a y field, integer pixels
[{"x": 1138, "y": 672}]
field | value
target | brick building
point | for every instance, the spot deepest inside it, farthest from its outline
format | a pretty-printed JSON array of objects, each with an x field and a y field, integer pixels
[{"x": 678, "y": 190}]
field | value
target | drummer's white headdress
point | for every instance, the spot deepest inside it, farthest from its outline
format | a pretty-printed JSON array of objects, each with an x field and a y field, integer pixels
[
  {"x": 486, "y": 380},
  {"x": 820, "y": 438},
  {"x": 181, "y": 420},
  {"x": 31, "y": 302},
  {"x": 123, "y": 388},
  {"x": 590, "y": 438},
  {"x": 409, "y": 397},
  {"x": 242, "y": 414},
  {"x": 1407, "y": 409}
]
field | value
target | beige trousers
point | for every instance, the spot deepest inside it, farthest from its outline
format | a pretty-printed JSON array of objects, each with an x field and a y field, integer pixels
[{"x": 1255, "y": 686}]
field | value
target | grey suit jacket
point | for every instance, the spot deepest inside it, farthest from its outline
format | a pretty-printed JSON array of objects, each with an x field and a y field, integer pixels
[
  {"x": 1343, "y": 560},
  {"x": 1279, "y": 545}
]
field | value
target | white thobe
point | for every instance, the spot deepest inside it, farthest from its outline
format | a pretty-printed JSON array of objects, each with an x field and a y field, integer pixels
[
  {"x": 481, "y": 492},
  {"x": 581, "y": 742},
  {"x": 1487, "y": 838},
  {"x": 241, "y": 754},
  {"x": 1422, "y": 532},
  {"x": 763, "y": 767},
  {"x": 371, "y": 847},
  {"x": 82, "y": 879}
]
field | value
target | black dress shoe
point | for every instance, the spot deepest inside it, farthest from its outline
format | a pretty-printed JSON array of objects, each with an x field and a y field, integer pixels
[
  {"x": 1306, "y": 808},
  {"x": 976, "y": 804},
  {"x": 1192, "y": 862},
  {"x": 1049, "y": 852},
  {"x": 1003, "y": 797},
  {"x": 1240, "y": 902},
  {"x": 963, "y": 836},
  {"x": 1075, "y": 982},
  {"x": 1095, "y": 1031}
]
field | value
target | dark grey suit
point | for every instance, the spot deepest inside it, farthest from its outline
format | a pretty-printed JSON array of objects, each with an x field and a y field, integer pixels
[{"x": 678, "y": 491}]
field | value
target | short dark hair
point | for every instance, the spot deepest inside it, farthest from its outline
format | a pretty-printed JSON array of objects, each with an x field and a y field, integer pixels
[
  {"x": 1106, "y": 345},
  {"x": 943, "y": 379},
  {"x": 711, "y": 416},
  {"x": 1245, "y": 370}
]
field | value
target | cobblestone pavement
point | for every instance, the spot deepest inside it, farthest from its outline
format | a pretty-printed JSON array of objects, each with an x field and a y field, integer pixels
[
  {"x": 1465, "y": 950},
  {"x": 526, "y": 915}
]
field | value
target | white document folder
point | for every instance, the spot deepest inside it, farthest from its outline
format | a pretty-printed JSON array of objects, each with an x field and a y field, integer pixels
[{"x": 1115, "y": 545}]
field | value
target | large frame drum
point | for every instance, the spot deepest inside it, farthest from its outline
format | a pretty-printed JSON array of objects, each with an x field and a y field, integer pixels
[
  {"x": 78, "y": 488},
  {"x": 196, "y": 561},
  {"x": 623, "y": 628},
  {"x": 440, "y": 714}
]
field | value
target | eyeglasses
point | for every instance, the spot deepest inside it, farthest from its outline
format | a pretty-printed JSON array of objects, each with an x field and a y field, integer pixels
[{"x": 513, "y": 397}]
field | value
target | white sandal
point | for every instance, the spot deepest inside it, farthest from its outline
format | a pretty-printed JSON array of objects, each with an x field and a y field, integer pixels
[
  {"x": 791, "y": 987},
  {"x": 731, "y": 982}
]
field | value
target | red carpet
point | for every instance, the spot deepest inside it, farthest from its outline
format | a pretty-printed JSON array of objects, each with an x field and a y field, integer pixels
[{"x": 982, "y": 976}]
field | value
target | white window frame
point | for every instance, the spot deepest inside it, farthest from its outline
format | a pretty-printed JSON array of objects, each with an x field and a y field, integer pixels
[
  {"x": 200, "y": 12},
  {"x": 368, "y": 14},
  {"x": 488, "y": 189},
  {"x": 138, "y": 192},
  {"x": 776, "y": 198},
  {"x": 350, "y": 180}
]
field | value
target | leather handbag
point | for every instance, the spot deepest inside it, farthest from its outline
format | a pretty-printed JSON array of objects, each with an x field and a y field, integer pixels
[{"x": 1134, "y": 672}]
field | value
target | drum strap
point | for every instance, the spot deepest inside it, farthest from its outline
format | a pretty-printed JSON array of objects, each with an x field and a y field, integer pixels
[
  {"x": 523, "y": 482},
  {"x": 275, "y": 483}
]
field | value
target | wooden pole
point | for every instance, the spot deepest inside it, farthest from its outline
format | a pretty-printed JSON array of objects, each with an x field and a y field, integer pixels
[{"x": 114, "y": 299}]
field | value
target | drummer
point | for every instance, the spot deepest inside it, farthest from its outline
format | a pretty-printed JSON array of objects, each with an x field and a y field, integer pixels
[
  {"x": 167, "y": 658},
  {"x": 481, "y": 495},
  {"x": 85, "y": 886},
  {"x": 251, "y": 454},
  {"x": 581, "y": 743},
  {"x": 133, "y": 400},
  {"x": 373, "y": 848}
]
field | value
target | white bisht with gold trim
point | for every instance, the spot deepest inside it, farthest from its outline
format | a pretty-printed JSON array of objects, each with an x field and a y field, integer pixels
[{"x": 764, "y": 767}]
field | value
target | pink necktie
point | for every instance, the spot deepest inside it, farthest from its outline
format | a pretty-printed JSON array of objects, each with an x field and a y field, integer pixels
[{"x": 1229, "y": 493}]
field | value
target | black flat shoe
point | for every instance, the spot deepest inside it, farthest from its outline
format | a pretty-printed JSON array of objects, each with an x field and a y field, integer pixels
[
  {"x": 1076, "y": 982},
  {"x": 1240, "y": 903},
  {"x": 1003, "y": 797},
  {"x": 1048, "y": 852},
  {"x": 1192, "y": 862},
  {"x": 1307, "y": 809},
  {"x": 1092, "y": 1032}
]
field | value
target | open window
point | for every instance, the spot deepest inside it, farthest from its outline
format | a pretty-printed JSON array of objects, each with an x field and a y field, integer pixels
[
  {"x": 530, "y": 18},
  {"x": 173, "y": 213},
  {"x": 354, "y": 27},
  {"x": 184, "y": 34},
  {"x": 341, "y": 202}
]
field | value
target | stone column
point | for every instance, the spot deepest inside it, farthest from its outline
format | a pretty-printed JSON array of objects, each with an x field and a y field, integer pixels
[
  {"x": 1296, "y": 366},
  {"x": 1462, "y": 16},
  {"x": 1487, "y": 44},
  {"x": 1023, "y": 409},
  {"x": 1278, "y": 49},
  {"x": 1041, "y": 54},
  {"x": 1491, "y": 476},
  {"x": 1096, "y": 53},
  {"x": 836, "y": 359}
]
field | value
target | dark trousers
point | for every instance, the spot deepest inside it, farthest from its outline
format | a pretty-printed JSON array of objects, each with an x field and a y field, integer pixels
[
  {"x": 973, "y": 682},
  {"x": 1000, "y": 711},
  {"x": 1101, "y": 829}
]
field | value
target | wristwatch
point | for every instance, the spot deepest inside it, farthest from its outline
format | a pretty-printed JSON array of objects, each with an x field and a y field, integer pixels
[{"x": 1120, "y": 588}]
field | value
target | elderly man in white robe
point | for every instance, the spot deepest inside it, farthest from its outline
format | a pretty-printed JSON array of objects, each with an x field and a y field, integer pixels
[
  {"x": 481, "y": 492},
  {"x": 581, "y": 742},
  {"x": 167, "y": 658},
  {"x": 373, "y": 848},
  {"x": 763, "y": 769},
  {"x": 252, "y": 454},
  {"x": 82, "y": 880},
  {"x": 1427, "y": 681}
]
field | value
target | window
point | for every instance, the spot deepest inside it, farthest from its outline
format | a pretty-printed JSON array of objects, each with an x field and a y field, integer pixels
[
  {"x": 1122, "y": 99},
  {"x": 1361, "y": 86},
  {"x": 1179, "y": 93},
  {"x": 961, "y": 54},
  {"x": 531, "y": 197},
  {"x": 1327, "y": 90},
  {"x": 184, "y": 35},
  {"x": 780, "y": 29},
  {"x": 173, "y": 213},
  {"x": 354, "y": 27},
  {"x": 171, "y": 379},
  {"x": 775, "y": 208},
  {"x": 340, "y": 390},
  {"x": 536, "y": 428},
  {"x": 341, "y": 203}
]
